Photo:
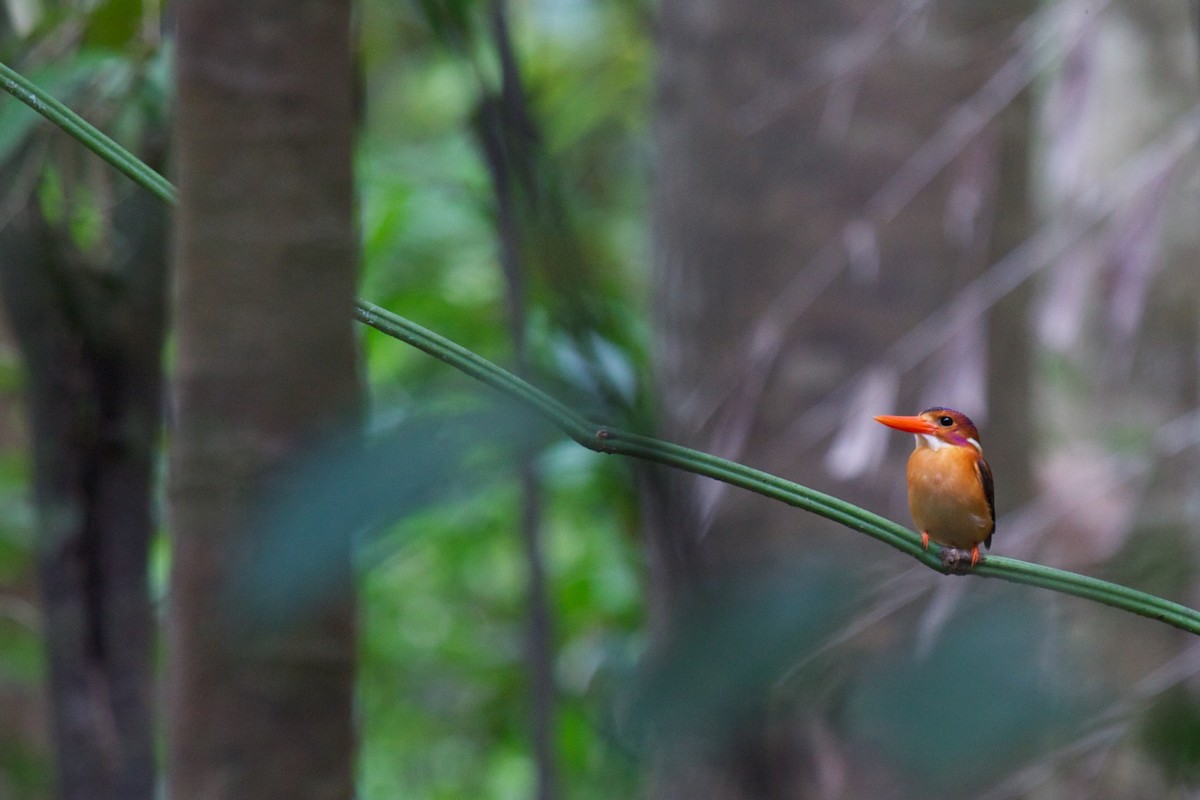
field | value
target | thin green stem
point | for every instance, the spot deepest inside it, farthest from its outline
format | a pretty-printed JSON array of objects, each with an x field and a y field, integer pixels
[
  {"x": 87, "y": 134},
  {"x": 611, "y": 440}
]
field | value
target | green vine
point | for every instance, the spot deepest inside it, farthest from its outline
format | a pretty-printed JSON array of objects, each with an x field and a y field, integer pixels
[
  {"x": 87, "y": 134},
  {"x": 612, "y": 440}
]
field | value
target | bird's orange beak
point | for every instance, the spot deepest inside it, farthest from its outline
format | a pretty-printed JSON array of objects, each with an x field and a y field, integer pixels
[{"x": 908, "y": 424}]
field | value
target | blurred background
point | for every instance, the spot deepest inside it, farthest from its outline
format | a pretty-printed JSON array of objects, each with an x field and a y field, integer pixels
[{"x": 747, "y": 228}]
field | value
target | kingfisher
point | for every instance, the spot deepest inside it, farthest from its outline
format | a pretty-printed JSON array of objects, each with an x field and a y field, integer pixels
[{"x": 950, "y": 491}]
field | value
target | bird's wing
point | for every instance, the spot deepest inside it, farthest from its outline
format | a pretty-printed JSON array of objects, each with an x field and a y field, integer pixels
[{"x": 984, "y": 473}]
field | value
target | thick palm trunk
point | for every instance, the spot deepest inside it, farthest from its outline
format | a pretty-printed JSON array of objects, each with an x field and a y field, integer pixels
[{"x": 266, "y": 270}]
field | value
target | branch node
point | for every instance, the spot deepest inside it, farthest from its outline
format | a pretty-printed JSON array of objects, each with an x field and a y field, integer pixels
[{"x": 604, "y": 435}]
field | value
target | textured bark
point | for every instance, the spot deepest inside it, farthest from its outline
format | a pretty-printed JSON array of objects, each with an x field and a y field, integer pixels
[
  {"x": 90, "y": 326},
  {"x": 794, "y": 243},
  {"x": 266, "y": 271}
]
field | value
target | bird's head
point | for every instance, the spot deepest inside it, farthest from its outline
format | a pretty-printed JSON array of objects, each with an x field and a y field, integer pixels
[{"x": 937, "y": 427}]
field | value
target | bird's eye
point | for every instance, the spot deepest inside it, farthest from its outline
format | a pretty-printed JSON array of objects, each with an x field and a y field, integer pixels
[{"x": 945, "y": 421}]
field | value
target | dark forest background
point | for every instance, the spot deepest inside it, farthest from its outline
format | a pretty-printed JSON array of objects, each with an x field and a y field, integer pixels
[{"x": 248, "y": 549}]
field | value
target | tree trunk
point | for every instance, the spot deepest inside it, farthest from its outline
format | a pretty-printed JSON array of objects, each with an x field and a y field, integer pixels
[
  {"x": 266, "y": 271},
  {"x": 90, "y": 326}
]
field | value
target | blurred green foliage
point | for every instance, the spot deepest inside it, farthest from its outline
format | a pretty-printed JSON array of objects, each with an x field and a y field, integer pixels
[
  {"x": 105, "y": 60},
  {"x": 24, "y": 761},
  {"x": 994, "y": 690},
  {"x": 1171, "y": 734},
  {"x": 443, "y": 686},
  {"x": 443, "y": 678},
  {"x": 443, "y": 682},
  {"x": 720, "y": 667}
]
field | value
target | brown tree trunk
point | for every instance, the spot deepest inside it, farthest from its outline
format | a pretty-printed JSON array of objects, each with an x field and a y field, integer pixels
[
  {"x": 266, "y": 271},
  {"x": 90, "y": 326},
  {"x": 804, "y": 223}
]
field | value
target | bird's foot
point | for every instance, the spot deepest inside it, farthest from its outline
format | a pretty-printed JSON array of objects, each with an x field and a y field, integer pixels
[
  {"x": 958, "y": 561},
  {"x": 924, "y": 540}
]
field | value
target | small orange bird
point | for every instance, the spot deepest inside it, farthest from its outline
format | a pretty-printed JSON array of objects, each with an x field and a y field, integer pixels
[{"x": 950, "y": 492}]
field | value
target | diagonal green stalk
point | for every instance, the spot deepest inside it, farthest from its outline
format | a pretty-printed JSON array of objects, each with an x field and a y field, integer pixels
[
  {"x": 87, "y": 134},
  {"x": 612, "y": 440}
]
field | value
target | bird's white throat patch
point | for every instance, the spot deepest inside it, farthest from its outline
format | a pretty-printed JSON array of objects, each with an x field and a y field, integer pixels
[
  {"x": 931, "y": 441},
  {"x": 934, "y": 443}
]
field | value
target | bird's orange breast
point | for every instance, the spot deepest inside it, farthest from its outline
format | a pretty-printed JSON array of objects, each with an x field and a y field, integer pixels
[{"x": 946, "y": 497}]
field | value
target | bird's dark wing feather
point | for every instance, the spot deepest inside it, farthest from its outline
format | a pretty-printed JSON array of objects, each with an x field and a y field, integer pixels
[{"x": 985, "y": 477}]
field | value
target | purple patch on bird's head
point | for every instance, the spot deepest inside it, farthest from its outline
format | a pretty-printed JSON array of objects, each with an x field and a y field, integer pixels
[{"x": 953, "y": 425}]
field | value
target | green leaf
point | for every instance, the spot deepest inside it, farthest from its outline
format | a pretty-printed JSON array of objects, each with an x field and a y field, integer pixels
[
  {"x": 1172, "y": 735},
  {"x": 450, "y": 20},
  {"x": 114, "y": 24},
  {"x": 733, "y": 644},
  {"x": 79, "y": 214},
  {"x": 50, "y": 196},
  {"x": 325, "y": 507},
  {"x": 996, "y": 688}
]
